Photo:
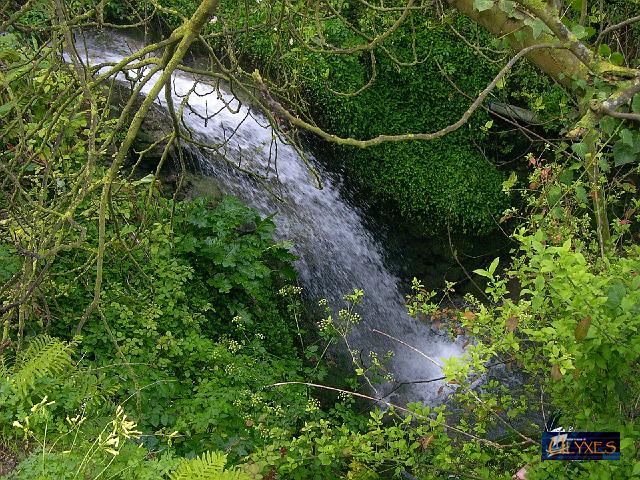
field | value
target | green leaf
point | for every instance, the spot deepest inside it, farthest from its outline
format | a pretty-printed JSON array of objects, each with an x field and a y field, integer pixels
[
  {"x": 508, "y": 184},
  {"x": 10, "y": 262},
  {"x": 627, "y": 136},
  {"x": 6, "y": 108},
  {"x": 616, "y": 293},
  {"x": 579, "y": 31},
  {"x": 482, "y": 273},
  {"x": 576, "y": 5},
  {"x": 146, "y": 179},
  {"x": 580, "y": 149},
  {"x": 609, "y": 125},
  {"x": 566, "y": 176},
  {"x": 508, "y": 7},
  {"x": 604, "y": 50},
  {"x": 617, "y": 58},
  {"x": 494, "y": 265},
  {"x": 581, "y": 194},
  {"x": 482, "y": 5},
  {"x": 520, "y": 36},
  {"x": 623, "y": 154},
  {"x": 554, "y": 195},
  {"x": 626, "y": 443},
  {"x": 536, "y": 25}
]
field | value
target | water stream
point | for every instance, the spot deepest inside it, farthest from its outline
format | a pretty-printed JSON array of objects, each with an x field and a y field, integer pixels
[{"x": 336, "y": 251}]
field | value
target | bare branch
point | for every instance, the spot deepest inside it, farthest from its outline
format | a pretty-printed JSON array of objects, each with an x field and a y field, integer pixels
[{"x": 617, "y": 26}]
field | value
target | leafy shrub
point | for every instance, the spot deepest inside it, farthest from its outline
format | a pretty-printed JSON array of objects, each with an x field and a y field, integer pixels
[{"x": 193, "y": 317}]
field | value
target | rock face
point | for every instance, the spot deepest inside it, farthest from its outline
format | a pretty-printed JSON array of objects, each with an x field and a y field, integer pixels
[{"x": 155, "y": 126}]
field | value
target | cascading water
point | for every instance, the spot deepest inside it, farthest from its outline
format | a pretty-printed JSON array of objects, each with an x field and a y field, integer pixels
[{"x": 337, "y": 253}]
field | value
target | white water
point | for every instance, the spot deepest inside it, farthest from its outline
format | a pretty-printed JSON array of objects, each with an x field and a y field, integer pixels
[{"x": 337, "y": 253}]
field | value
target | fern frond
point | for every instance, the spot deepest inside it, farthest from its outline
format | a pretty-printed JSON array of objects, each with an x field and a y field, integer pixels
[
  {"x": 209, "y": 466},
  {"x": 45, "y": 355}
]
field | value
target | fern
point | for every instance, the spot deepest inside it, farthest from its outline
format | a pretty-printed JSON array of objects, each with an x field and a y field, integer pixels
[
  {"x": 45, "y": 355},
  {"x": 209, "y": 466}
]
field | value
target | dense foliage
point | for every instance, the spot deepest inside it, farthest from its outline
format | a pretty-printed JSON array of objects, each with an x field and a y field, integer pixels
[
  {"x": 431, "y": 183},
  {"x": 438, "y": 185},
  {"x": 145, "y": 336}
]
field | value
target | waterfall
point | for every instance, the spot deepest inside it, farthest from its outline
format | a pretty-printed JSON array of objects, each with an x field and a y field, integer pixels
[{"x": 336, "y": 252}]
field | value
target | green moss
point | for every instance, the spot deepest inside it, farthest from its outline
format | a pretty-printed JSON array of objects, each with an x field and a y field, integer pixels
[
  {"x": 435, "y": 185},
  {"x": 440, "y": 184}
]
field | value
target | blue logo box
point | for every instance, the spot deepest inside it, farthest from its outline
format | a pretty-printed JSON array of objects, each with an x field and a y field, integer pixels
[{"x": 581, "y": 446}]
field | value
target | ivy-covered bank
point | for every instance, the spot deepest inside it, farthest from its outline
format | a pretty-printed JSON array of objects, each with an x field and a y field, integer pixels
[{"x": 435, "y": 184}]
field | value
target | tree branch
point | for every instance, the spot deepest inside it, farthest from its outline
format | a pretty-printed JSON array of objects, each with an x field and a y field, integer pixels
[{"x": 279, "y": 109}]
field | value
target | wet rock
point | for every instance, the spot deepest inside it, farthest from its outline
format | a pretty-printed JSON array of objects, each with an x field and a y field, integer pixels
[
  {"x": 155, "y": 126},
  {"x": 198, "y": 185}
]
